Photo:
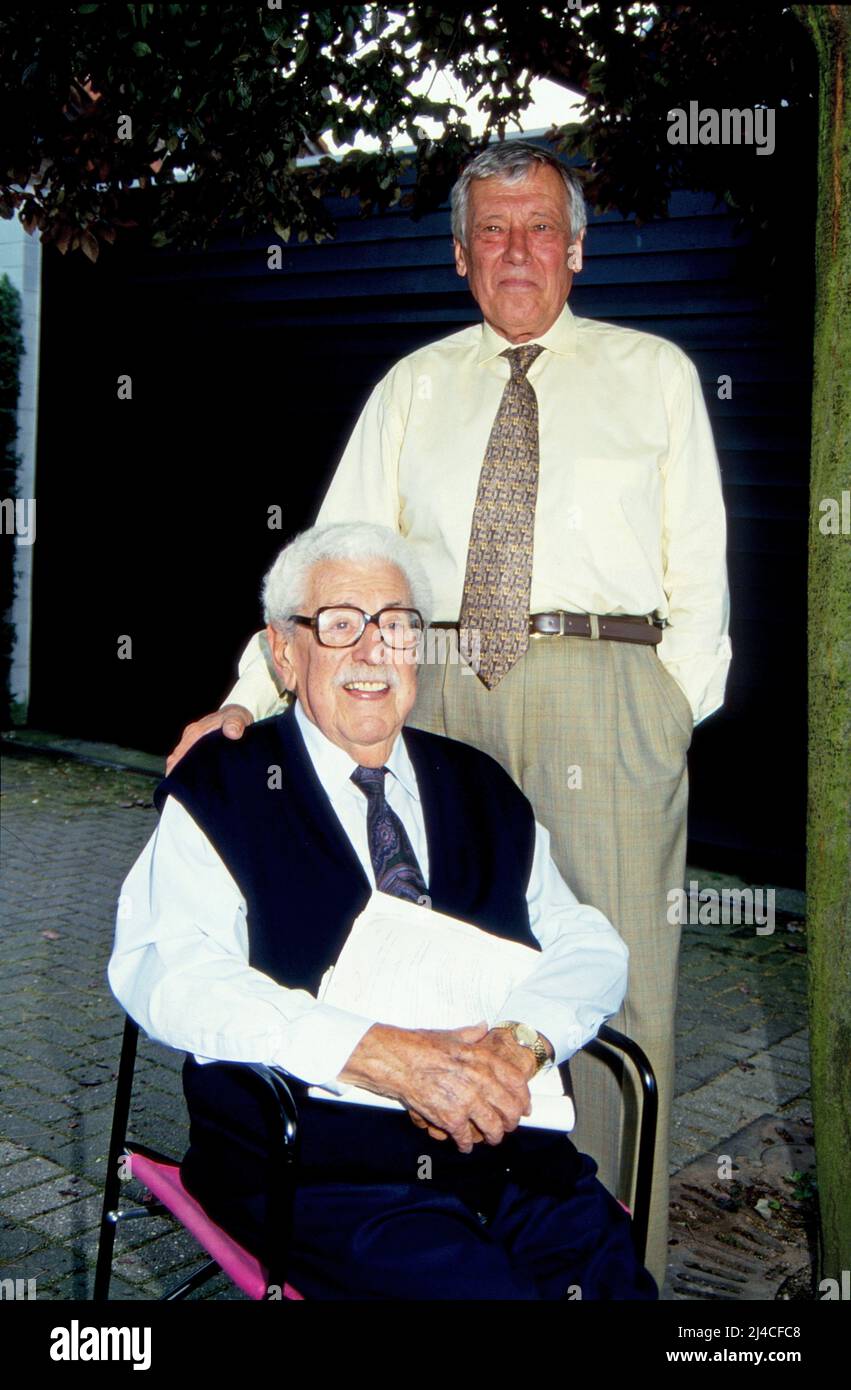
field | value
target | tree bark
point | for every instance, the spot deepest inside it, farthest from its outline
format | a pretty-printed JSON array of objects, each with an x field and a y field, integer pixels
[{"x": 829, "y": 809}]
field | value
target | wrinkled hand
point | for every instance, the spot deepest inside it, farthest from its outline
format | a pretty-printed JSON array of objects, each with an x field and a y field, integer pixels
[
  {"x": 421, "y": 1123},
  {"x": 233, "y": 720},
  {"x": 502, "y": 1043},
  {"x": 466, "y": 1083}
]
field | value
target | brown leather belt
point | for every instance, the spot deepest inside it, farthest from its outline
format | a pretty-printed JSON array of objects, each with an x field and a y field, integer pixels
[{"x": 613, "y": 627}]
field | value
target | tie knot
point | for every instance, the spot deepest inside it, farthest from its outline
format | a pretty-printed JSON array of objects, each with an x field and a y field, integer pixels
[
  {"x": 370, "y": 780},
  {"x": 520, "y": 359}
]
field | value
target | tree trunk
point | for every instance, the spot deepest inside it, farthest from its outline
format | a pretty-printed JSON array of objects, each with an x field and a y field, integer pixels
[{"x": 829, "y": 810}]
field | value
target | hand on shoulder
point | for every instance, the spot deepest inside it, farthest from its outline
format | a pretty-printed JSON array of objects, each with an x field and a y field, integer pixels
[{"x": 233, "y": 720}]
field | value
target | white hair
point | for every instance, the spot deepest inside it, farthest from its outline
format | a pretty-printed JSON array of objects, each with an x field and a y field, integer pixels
[
  {"x": 286, "y": 584},
  {"x": 512, "y": 162}
]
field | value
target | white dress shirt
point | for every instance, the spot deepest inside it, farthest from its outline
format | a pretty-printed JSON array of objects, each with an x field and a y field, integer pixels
[
  {"x": 629, "y": 516},
  {"x": 180, "y": 961}
]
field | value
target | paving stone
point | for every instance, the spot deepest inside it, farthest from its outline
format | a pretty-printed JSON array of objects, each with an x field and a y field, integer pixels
[
  {"x": 119, "y": 1289},
  {"x": 26, "y": 1174},
  {"x": 166, "y": 1258},
  {"x": 724, "y": 1114},
  {"x": 25, "y": 1129},
  {"x": 742, "y": 998},
  {"x": 794, "y": 1046},
  {"x": 45, "y": 1264},
  {"x": 16, "y": 1243},
  {"x": 36, "y": 1075},
  {"x": 35, "y": 1201},
  {"x": 12, "y": 1153},
  {"x": 42, "y": 1111},
  {"x": 69, "y": 1222},
  {"x": 779, "y": 1064},
  {"x": 771, "y": 1085},
  {"x": 94, "y": 1103}
]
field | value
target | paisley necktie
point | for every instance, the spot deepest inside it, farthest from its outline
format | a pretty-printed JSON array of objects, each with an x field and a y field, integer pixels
[
  {"x": 393, "y": 860},
  {"x": 498, "y": 580}
]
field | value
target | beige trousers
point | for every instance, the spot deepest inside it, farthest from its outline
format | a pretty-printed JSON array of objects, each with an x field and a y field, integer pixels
[{"x": 596, "y": 733}]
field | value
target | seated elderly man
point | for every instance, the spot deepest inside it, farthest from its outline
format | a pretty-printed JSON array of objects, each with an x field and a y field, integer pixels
[{"x": 267, "y": 850}]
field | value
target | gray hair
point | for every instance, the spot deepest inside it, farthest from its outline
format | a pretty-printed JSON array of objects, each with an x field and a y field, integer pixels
[
  {"x": 286, "y": 583},
  {"x": 512, "y": 161}
]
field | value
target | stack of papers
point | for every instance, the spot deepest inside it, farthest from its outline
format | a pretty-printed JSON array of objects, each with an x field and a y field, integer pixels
[{"x": 412, "y": 967}]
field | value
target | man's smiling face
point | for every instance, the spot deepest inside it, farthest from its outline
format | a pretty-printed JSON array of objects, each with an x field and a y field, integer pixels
[
  {"x": 358, "y": 696},
  {"x": 519, "y": 257}
]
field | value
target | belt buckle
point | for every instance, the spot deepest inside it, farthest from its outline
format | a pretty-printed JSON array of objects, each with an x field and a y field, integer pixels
[{"x": 561, "y": 617}]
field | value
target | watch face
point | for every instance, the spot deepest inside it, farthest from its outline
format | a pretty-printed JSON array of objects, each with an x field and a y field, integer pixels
[{"x": 526, "y": 1035}]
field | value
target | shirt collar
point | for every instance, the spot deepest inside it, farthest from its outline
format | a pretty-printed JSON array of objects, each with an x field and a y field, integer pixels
[
  {"x": 559, "y": 338},
  {"x": 334, "y": 766}
]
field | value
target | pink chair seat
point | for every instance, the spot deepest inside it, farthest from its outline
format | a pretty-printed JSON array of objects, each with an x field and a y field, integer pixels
[{"x": 246, "y": 1271}]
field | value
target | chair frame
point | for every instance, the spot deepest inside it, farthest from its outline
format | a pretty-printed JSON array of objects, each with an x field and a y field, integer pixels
[{"x": 271, "y": 1082}]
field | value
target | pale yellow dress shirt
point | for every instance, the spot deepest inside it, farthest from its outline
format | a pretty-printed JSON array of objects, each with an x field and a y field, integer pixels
[{"x": 630, "y": 517}]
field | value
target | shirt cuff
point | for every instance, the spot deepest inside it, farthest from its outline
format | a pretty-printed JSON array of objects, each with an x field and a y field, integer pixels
[
  {"x": 567, "y": 1029},
  {"x": 702, "y": 679},
  {"x": 318, "y": 1045}
]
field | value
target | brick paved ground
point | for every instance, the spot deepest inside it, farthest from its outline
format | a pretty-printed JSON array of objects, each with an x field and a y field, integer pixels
[{"x": 70, "y": 833}]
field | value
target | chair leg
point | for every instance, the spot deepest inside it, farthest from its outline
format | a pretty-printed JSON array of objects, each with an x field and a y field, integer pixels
[
  {"x": 192, "y": 1282},
  {"x": 279, "y": 1101},
  {"x": 283, "y": 1221},
  {"x": 112, "y": 1186},
  {"x": 647, "y": 1129},
  {"x": 282, "y": 1214}
]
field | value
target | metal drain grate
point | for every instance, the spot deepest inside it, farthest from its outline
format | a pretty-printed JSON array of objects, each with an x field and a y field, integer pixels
[{"x": 721, "y": 1247}]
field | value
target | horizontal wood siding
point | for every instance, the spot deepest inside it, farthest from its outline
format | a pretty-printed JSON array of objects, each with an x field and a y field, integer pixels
[{"x": 153, "y": 512}]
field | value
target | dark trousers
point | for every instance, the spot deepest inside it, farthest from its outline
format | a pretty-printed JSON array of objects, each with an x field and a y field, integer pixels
[{"x": 381, "y": 1211}]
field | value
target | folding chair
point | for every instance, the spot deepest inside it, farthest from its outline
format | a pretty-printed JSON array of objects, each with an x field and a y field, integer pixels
[{"x": 268, "y": 1085}]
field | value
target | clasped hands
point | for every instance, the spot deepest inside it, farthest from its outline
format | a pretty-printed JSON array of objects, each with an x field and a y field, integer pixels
[{"x": 469, "y": 1084}]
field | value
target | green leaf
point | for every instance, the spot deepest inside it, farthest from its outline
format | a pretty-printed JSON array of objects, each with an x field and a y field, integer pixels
[
  {"x": 90, "y": 246},
  {"x": 141, "y": 49}
]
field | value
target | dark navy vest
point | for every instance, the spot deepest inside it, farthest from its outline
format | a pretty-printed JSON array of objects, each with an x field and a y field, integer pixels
[
  {"x": 262, "y": 806},
  {"x": 260, "y": 803}
]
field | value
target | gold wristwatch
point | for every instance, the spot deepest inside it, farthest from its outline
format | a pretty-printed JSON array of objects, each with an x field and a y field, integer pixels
[{"x": 527, "y": 1036}]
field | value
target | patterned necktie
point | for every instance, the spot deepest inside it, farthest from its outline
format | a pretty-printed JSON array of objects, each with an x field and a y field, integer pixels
[
  {"x": 396, "y": 869},
  {"x": 498, "y": 582}
]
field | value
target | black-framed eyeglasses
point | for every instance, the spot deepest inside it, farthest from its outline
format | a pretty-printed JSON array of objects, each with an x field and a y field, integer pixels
[{"x": 342, "y": 626}]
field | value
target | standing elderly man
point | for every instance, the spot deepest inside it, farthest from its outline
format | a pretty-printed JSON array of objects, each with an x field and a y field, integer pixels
[
  {"x": 558, "y": 479},
  {"x": 244, "y": 897}
]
